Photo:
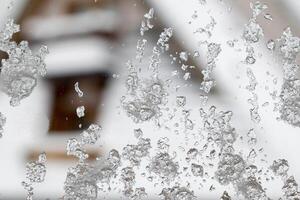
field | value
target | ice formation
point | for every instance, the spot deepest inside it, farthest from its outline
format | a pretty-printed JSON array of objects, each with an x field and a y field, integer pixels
[
  {"x": 19, "y": 73},
  {"x": 35, "y": 173},
  {"x": 78, "y": 90},
  {"x": 81, "y": 182},
  {"x": 2, "y": 123},
  {"x": 135, "y": 153},
  {"x": 253, "y": 31},
  {"x": 253, "y": 101},
  {"x": 215, "y": 141},
  {"x": 163, "y": 166},
  {"x": 146, "y": 23},
  {"x": 289, "y": 47},
  {"x": 80, "y": 111},
  {"x": 177, "y": 193},
  {"x": 144, "y": 101},
  {"x": 145, "y": 96},
  {"x": 213, "y": 50}
]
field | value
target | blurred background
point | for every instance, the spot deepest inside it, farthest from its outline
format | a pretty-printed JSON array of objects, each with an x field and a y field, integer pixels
[{"x": 91, "y": 40}]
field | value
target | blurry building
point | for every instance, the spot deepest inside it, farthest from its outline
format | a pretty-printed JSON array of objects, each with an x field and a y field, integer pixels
[{"x": 89, "y": 42}]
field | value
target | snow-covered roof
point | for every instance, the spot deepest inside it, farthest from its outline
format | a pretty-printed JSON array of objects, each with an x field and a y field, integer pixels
[
  {"x": 71, "y": 24},
  {"x": 77, "y": 56}
]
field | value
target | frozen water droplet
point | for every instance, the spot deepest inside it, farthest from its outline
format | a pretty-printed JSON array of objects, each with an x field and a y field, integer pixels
[
  {"x": 164, "y": 166},
  {"x": 280, "y": 167},
  {"x": 2, "y": 123},
  {"x": 268, "y": 16},
  {"x": 250, "y": 60},
  {"x": 271, "y": 45},
  {"x": 36, "y": 170},
  {"x": 183, "y": 56},
  {"x": 177, "y": 193},
  {"x": 187, "y": 76},
  {"x": 180, "y": 101},
  {"x": 252, "y": 31},
  {"x": 91, "y": 135},
  {"x": 138, "y": 133},
  {"x": 77, "y": 89},
  {"x": 230, "y": 168},
  {"x": 80, "y": 111},
  {"x": 197, "y": 170},
  {"x": 225, "y": 196},
  {"x": 19, "y": 73}
]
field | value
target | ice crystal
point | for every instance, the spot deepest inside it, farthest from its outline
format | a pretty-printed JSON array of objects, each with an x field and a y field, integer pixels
[
  {"x": 78, "y": 90},
  {"x": 107, "y": 171},
  {"x": 255, "y": 117},
  {"x": 208, "y": 82},
  {"x": 19, "y": 73},
  {"x": 268, "y": 16},
  {"x": 197, "y": 170},
  {"x": 252, "y": 138},
  {"x": 290, "y": 189},
  {"x": 180, "y": 101},
  {"x": 230, "y": 168},
  {"x": 225, "y": 196},
  {"x": 251, "y": 189},
  {"x": 35, "y": 173},
  {"x": 75, "y": 148},
  {"x": 80, "y": 111},
  {"x": 208, "y": 28},
  {"x": 252, "y": 32},
  {"x": 163, "y": 165},
  {"x": 218, "y": 127},
  {"x": 257, "y": 8},
  {"x": 164, "y": 38},
  {"x": 2, "y": 123},
  {"x": 146, "y": 102},
  {"x": 183, "y": 56},
  {"x": 140, "y": 48},
  {"x": 177, "y": 193},
  {"x": 187, "y": 76},
  {"x": 146, "y": 96},
  {"x": 289, "y": 47},
  {"x": 80, "y": 184},
  {"x": 81, "y": 181},
  {"x": 146, "y": 24},
  {"x": 134, "y": 153},
  {"x": 128, "y": 179},
  {"x": 89, "y": 136},
  {"x": 192, "y": 154},
  {"x": 271, "y": 45},
  {"x": 36, "y": 170},
  {"x": 280, "y": 167}
]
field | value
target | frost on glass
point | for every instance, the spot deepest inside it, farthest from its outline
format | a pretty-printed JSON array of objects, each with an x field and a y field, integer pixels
[
  {"x": 211, "y": 145},
  {"x": 19, "y": 73}
]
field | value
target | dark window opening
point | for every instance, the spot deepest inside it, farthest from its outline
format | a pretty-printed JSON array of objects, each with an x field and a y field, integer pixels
[{"x": 65, "y": 100}]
